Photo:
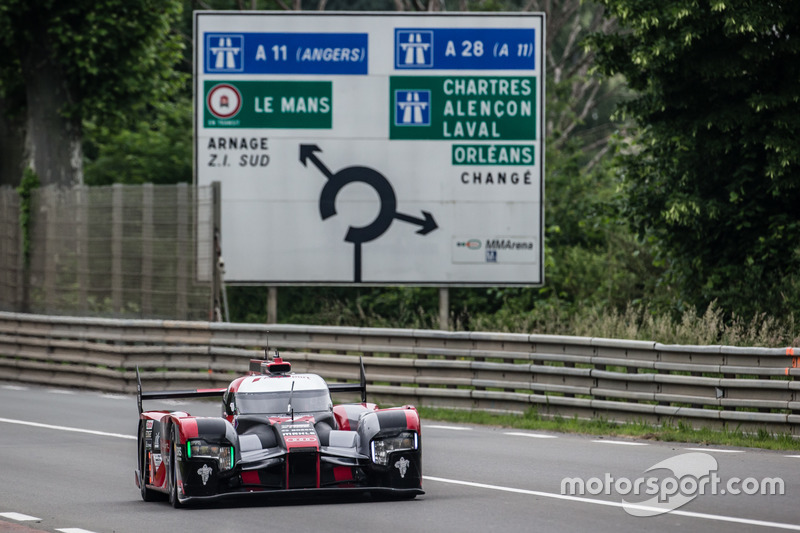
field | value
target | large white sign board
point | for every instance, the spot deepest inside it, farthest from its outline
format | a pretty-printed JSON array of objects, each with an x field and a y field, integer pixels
[{"x": 375, "y": 149}]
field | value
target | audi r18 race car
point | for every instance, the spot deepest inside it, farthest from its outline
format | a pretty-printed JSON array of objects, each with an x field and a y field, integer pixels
[{"x": 279, "y": 433}]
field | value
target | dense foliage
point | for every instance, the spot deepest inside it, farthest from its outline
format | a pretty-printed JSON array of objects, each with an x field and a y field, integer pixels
[
  {"x": 61, "y": 63},
  {"x": 156, "y": 149},
  {"x": 713, "y": 175}
]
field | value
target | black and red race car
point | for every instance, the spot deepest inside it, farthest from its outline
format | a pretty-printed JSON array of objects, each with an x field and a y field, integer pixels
[{"x": 279, "y": 433}]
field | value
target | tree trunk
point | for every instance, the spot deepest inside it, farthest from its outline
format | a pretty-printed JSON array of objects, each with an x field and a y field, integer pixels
[
  {"x": 12, "y": 146},
  {"x": 53, "y": 138}
]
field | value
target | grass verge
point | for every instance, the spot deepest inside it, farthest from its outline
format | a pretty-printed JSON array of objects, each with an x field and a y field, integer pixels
[{"x": 669, "y": 433}]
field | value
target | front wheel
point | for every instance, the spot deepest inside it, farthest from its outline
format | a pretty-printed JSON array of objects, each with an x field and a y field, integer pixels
[{"x": 174, "y": 472}]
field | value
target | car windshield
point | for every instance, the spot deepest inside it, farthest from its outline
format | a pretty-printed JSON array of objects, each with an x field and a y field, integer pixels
[{"x": 277, "y": 403}]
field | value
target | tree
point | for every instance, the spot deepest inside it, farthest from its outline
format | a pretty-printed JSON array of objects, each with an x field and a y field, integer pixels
[
  {"x": 63, "y": 62},
  {"x": 157, "y": 149},
  {"x": 713, "y": 174}
]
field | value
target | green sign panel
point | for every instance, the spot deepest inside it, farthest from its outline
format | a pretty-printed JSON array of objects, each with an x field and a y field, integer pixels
[
  {"x": 493, "y": 154},
  {"x": 453, "y": 108},
  {"x": 268, "y": 104}
]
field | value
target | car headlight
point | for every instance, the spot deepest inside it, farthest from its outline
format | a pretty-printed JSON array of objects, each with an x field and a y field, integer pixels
[
  {"x": 223, "y": 453},
  {"x": 381, "y": 447}
]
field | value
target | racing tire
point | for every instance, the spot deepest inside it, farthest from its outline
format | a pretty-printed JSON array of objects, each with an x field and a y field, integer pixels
[
  {"x": 148, "y": 495},
  {"x": 174, "y": 472}
]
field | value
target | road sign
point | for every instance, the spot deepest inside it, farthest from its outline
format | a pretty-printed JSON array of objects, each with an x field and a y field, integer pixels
[{"x": 365, "y": 148}]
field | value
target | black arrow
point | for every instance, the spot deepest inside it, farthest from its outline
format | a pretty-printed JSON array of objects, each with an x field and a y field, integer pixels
[
  {"x": 388, "y": 200},
  {"x": 428, "y": 224},
  {"x": 307, "y": 152}
]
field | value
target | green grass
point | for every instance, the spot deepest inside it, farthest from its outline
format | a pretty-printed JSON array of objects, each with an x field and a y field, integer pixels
[{"x": 682, "y": 432}]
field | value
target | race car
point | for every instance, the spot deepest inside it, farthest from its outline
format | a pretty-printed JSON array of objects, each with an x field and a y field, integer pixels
[{"x": 279, "y": 433}]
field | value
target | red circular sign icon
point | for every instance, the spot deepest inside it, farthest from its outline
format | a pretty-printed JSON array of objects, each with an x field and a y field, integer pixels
[{"x": 224, "y": 100}]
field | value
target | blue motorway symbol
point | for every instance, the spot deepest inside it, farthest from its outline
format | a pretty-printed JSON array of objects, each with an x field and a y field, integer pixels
[
  {"x": 224, "y": 52},
  {"x": 413, "y": 49},
  {"x": 412, "y": 108}
]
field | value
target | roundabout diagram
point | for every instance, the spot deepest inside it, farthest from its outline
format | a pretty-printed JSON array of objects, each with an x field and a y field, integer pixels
[{"x": 387, "y": 213}]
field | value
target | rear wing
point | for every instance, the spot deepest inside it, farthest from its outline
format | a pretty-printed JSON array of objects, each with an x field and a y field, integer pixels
[
  {"x": 353, "y": 387},
  {"x": 211, "y": 393},
  {"x": 162, "y": 395}
]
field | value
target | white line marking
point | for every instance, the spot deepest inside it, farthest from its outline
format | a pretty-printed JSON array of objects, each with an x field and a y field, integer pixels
[
  {"x": 116, "y": 396},
  {"x": 706, "y": 516},
  {"x": 532, "y": 435},
  {"x": 60, "y": 391},
  {"x": 74, "y": 530},
  {"x": 622, "y": 442},
  {"x": 793, "y": 456},
  {"x": 714, "y": 450},
  {"x": 454, "y": 428},
  {"x": 19, "y": 517},
  {"x": 65, "y": 428},
  {"x": 14, "y": 387}
]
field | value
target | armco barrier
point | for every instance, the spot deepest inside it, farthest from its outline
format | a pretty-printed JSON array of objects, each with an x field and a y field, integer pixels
[{"x": 749, "y": 388}]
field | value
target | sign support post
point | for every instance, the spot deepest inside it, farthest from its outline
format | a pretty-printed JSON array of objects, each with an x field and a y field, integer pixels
[{"x": 444, "y": 308}]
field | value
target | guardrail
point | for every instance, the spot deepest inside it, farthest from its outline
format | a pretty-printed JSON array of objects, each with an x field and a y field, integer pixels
[{"x": 750, "y": 388}]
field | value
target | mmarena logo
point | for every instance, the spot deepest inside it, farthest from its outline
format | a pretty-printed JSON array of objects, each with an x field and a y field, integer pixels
[
  {"x": 472, "y": 244},
  {"x": 692, "y": 475}
]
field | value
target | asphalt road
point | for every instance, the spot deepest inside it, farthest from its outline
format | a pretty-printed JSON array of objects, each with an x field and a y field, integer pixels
[{"x": 67, "y": 460}]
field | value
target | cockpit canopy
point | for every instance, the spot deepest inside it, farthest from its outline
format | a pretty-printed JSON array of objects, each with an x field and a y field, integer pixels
[
  {"x": 277, "y": 403},
  {"x": 278, "y": 395}
]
